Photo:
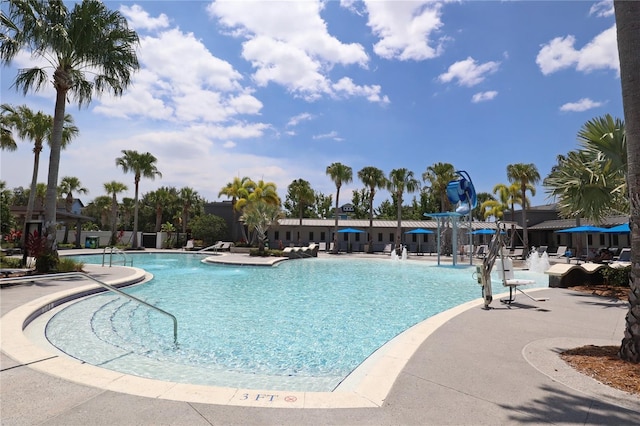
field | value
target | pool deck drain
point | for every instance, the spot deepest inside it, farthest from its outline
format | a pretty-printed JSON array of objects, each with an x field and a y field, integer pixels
[{"x": 466, "y": 364}]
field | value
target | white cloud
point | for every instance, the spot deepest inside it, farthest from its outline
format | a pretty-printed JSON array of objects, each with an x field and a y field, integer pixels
[
  {"x": 295, "y": 120},
  {"x": 405, "y": 28},
  {"x": 346, "y": 87},
  {"x": 139, "y": 19},
  {"x": 583, "y": 104},
  {"x": 602, "y": 9},
  {"x": 331, "y": 135},
  {"x": 599, "y": 53},
  {"x": 484, "y": 96},
  {"x": 468, "y": 72},
  {"x": 181, "y": 81},
  {"x": 288, "y": 43}
]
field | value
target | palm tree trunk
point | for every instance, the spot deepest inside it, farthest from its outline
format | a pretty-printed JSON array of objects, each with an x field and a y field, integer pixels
[
  {"x": 628, "y": 32},
  {"x": 114, "y": 215},
  {"x": 370, "y": 240},
  {"x": 32, "y": 192},
  {"x": 50, "y": 219},
  {"x": 525, "y": 232},
  {"x": 335, "y": 227},
  {"x": 134, "y": 243}
]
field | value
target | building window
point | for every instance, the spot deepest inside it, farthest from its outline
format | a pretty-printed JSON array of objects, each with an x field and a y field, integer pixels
[
  {"x": 322, "y": 236},
  {"x": 357, "y": 237},
  {"x": 276, "y": 235},
  {"x": 345, "y": 237},
  {"x": 310, "y": 236},
  {"x": 288, "y": 236},
  {"x": 379, "y": 237},
  {"x": 391, "y": 238}
]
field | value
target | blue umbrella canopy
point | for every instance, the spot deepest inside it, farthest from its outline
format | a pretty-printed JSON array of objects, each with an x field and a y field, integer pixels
[
  {"x": 583, "y": 229},
  {"x": 419, "y": 231},
  {"x": 350, "y": 231},
  {"x": 620, "y": 229},
  {"x": 485, "y": 232}
]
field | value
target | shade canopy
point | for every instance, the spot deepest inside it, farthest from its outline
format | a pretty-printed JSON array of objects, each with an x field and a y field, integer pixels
[
  {"x": 620, "y": 229},
  {"x": 586, "y": 229},
  {"x": 485, "y": 232},
  {"x": 350, "y": 231},
  {"x": 419, "y": 231}
]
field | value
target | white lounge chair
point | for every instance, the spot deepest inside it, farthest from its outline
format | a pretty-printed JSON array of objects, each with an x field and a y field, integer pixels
[
  {"x": 560, "y": 252},
  {"x": 504, "y": 267},
  {"x": 623, "y": 260},
  {"x": 189, "y": 245}
]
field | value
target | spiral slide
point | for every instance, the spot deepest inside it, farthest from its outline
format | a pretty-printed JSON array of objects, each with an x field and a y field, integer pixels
[{"x": 462, "y": 192}]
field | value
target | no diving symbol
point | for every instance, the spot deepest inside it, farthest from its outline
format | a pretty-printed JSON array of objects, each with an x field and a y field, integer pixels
[{"x": 290, "y": 398}]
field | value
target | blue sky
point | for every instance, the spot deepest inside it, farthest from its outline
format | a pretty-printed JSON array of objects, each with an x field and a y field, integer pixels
[{"x": 279, "y": 90}]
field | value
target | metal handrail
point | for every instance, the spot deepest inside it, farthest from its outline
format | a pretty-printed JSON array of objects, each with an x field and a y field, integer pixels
[
  {"x": 103, "y": 284},
  {"x": 117, "y": 251}
]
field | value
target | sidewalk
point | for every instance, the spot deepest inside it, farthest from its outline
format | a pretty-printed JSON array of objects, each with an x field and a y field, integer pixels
[{"x": 480, "y": 367}]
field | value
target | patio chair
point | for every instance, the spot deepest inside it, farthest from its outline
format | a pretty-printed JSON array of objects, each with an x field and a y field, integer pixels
[
  {"x": 623, "y": 260},
  {"x": 504, "y": 266},
  {"x": 517, "y": 253},
  {"x": 387, "y": 249},
  {"x": 560, "y": 252},
  {"x": 189, "y": 245}
]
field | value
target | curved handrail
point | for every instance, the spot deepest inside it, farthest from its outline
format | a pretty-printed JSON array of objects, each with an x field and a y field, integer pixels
[
  {"x": 117, "y": 251},
  {"x": 103, "y": 284}
]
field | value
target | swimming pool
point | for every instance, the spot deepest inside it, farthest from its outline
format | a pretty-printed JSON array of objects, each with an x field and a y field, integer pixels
[{"x": 302, "y": 325}]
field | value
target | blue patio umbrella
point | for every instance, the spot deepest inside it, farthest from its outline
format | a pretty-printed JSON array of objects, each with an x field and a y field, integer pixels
[
  {"x": 585, "y": 229},
  {"x": 620, "y": 229},
  {"x": 350, "y": 231},
  {"x": 485, "y": 232},
  {"x": 419, "y": 231}
]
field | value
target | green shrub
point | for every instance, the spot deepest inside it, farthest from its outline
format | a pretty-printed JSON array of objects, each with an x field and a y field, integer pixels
[
  {"x": 618, "y": 277},
  {"x": 10, "y": 262},
  {"x": 47, "y": 262},
  {"x": 265, "y": 252},
  {"x": 69, "y": 265}
]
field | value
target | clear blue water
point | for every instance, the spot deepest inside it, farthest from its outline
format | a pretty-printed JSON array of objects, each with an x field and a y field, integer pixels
[{"x": 301, "y": 325}]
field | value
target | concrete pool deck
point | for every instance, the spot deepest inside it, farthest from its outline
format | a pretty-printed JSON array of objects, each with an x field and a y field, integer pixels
[{"x": 469, "y": 366}]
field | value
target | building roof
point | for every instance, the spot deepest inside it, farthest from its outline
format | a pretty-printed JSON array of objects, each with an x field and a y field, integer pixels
[
  {"x": 552, "y": 225},
  {"x": 382, "y": 223}
]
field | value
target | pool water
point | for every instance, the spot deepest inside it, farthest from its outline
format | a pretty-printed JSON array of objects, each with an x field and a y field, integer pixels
[{"x": 301, "y": 325}]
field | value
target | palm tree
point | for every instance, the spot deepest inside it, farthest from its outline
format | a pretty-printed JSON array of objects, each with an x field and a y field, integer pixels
[
  {"x": 69, "y": 185},
  {"x": 37, "y": 127},
  {"x": 373, "y": 178},
  {"x": 301, "y": 195},
  {"x": 525, "y": 175},
  {"x": 114, "y": 188},
  {"x": 188, "y": 197},
  {"x": 401, "y": 180},
  {"x": 141, "y": 165},
  {"x": 264, "y": 191},
  {"x": 339, "y": 174},
  {"x": 628, "y": 32},
  {"x": 591, "y": 182},
  {"x": 238, "y": 190},
  {"x": 162, "y": 198},
  {"x": 88, "y": 48},
  {"x": 259, "y": 216},
  {"x": 7, "y": 142},
  {"x": 439, "y": 175}
]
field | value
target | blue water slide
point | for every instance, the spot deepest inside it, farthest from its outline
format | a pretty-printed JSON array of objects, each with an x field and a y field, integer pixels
[{"x": 462, "y": 193}]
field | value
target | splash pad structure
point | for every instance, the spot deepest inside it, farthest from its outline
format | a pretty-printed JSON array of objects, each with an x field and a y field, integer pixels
[{"x": 462, "y": 194}]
